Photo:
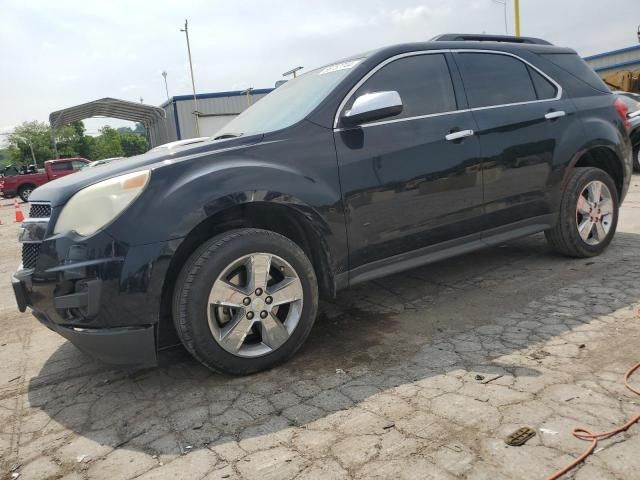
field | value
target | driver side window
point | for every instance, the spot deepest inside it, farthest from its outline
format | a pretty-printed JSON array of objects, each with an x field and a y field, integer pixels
[{"x": 423, "y": 82}]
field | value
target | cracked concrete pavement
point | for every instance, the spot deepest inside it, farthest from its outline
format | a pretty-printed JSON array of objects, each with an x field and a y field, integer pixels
[{"x": 418, "y": 375}]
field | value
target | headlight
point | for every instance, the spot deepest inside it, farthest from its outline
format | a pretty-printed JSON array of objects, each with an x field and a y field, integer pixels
[{"x": 97, "y": 205}]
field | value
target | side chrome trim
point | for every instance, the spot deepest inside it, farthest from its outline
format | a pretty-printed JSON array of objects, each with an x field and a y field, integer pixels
[
  {"x": 405, "y": 119},
  {"x": 347, "y": 97}
]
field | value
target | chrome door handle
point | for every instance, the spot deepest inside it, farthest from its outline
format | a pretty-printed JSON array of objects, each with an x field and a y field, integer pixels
[
  {"x": 556, "y": 114},
  {"x": 458, "y": 135}
]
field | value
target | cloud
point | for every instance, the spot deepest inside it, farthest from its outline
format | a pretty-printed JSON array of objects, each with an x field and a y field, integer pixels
[{"x": 72, "y": 51}]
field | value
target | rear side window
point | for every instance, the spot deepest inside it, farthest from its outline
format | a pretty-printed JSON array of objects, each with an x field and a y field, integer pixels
[
  {"x": 423, "y": 82},
  {"x": 61, "y": 166},
  {"x": 573, "y": 64},
  {"x": 494, "y": 79},
  {"x": 544, "y": 88}
]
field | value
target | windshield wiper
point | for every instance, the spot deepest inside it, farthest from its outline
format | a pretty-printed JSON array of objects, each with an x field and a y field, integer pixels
[{"x": 228, "y": 135}]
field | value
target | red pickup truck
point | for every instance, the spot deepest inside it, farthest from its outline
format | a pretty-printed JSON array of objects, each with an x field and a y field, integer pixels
[{"x": 16, "y": 182}]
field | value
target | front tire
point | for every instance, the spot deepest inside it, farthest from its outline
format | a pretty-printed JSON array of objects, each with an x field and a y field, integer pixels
[
  {"x": 25, "y": 192},
  {"x": 636, "y": 158},
  {"x": 245, "y": 301},
  {"x": 588, "y": 214}
]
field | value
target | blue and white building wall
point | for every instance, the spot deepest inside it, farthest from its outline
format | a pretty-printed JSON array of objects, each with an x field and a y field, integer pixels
[
  {"x": 609, "y": 62},
  {"x": 216, "y": 110}
]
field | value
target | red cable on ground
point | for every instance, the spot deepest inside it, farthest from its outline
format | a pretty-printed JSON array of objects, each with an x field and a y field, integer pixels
[{"x": 584, "y": 434}]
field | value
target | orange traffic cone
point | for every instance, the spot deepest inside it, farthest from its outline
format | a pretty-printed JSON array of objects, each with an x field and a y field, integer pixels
[{"x": 19, "y": 214}]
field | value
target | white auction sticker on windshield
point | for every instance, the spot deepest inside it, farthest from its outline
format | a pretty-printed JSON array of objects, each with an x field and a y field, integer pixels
[{"x": 339, "y": 66}]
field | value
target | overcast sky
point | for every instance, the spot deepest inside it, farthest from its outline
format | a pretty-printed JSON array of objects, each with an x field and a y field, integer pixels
[{"x": 60, "y": 53}]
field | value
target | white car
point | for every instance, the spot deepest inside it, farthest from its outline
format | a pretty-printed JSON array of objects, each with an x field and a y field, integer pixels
[{"x": 178, "y": 143}]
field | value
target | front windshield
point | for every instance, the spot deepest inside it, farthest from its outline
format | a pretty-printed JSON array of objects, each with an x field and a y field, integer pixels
[{"x": 290, "y": 102}]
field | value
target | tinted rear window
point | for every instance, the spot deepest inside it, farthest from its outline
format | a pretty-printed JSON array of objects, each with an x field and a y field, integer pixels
[
  {"x": 544, "y": 88},
  {"x": 494, "y": 79},
  {"x": 573, "y": 64},
  {"x": 60, "y": 166}
]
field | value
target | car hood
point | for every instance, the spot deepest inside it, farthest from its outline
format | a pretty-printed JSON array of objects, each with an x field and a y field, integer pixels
[{"x": 58, "y": 192}]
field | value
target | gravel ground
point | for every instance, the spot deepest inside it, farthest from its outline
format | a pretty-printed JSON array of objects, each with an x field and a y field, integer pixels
[{"x": 419, "y": 375}]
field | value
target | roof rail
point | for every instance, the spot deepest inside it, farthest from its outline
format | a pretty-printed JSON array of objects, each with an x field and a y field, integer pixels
[{"x": 472, "y": 37}]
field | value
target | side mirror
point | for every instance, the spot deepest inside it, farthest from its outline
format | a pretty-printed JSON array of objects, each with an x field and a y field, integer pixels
[{"x": 373, "y": 106}]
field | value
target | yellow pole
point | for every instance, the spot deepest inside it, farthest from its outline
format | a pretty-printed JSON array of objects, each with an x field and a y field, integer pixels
[{"x": 516, "y": 9}]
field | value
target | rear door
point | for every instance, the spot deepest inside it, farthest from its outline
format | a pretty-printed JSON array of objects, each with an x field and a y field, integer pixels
[
  {"x": 405, "y": 186},
  {"x": 522, "y": 116}
]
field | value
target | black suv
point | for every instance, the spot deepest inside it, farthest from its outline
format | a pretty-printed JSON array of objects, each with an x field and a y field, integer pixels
[{"x": 372, "y": 165}]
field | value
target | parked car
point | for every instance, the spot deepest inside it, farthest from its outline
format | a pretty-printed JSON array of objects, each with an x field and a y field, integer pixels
[
  {"x": 179, "y": 143},
  {"x": 369, "y": 166},
  {"x": 24, "y": 182},
  {"x": 104, "y": 161},
  {"x": 632, "y": 102}
]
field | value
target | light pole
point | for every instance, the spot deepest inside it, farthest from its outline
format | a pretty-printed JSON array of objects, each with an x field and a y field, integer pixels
[
  {"x": 504, "y": 6},
  {"x": 193, "y": 83},
  {"x": 516, "y": 11},
  {"x": 293, "y": 72},
  {"x": 32, "y": 154},
  {"x": 166, "y": 88},
  {"x": 248, "y": 92}
]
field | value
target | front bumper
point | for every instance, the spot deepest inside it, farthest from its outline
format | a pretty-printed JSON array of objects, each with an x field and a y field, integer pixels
[
  {"x": 102, "y": 296},
  {"x": 118, "y": 345}
]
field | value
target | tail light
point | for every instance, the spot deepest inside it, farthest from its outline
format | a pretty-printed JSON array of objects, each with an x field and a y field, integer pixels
[{"x": 622, "y": 110}]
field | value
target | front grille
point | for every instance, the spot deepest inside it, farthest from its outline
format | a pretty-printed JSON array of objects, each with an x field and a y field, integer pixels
[
  {"x": 40, "y": 210},
  {"x": 30, "y": 253}
]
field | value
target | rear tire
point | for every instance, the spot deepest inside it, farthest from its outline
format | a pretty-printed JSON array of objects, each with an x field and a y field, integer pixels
[
  {"x": 233, "y": 318},
  {"x": 584, "y": 228}
]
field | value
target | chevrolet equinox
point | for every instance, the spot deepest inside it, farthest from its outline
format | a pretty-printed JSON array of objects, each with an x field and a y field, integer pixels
[{"x": 365, "y": 167}]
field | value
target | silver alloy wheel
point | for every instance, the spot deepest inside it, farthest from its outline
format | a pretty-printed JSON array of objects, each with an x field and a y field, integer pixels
[
  {"x": 25, "y": 194},
  {"x": 594, "y": 212},
  {"x": 255, "y": 305}
]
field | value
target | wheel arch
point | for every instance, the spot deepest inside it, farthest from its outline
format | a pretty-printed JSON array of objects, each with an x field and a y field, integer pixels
[
  {"x": 294, "y": 220},
  {"x": 24, "y": 185},
  {"x": 606, "y": 158},
  {"x": 635, "y": 137}
]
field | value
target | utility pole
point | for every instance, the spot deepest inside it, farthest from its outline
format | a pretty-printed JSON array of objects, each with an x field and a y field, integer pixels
[
  {"x": 166, "y": 88},
  {"x": 504, "y": 8},
  {"x": 516, "y": 10},
  {"x": 32, "y": 154},
  {"x": 248, "y": 92},
  {"x": 193, "y": 83}
]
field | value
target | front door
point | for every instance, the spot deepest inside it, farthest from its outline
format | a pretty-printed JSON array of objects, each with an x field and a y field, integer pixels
[{"x": 407, "y": 182}]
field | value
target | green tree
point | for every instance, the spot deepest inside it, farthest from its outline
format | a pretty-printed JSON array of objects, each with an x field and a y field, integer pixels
[
  {"x": 139, "y": 128},
  {"x": 30, "y": 135},
  {"x": 107, "y": 144},
  {"x": 133, "y": 144},
  {"x": 5, "y": 157}
]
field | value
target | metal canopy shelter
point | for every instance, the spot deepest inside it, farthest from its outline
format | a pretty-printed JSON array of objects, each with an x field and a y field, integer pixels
[{"x": 153, "y": 118}]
